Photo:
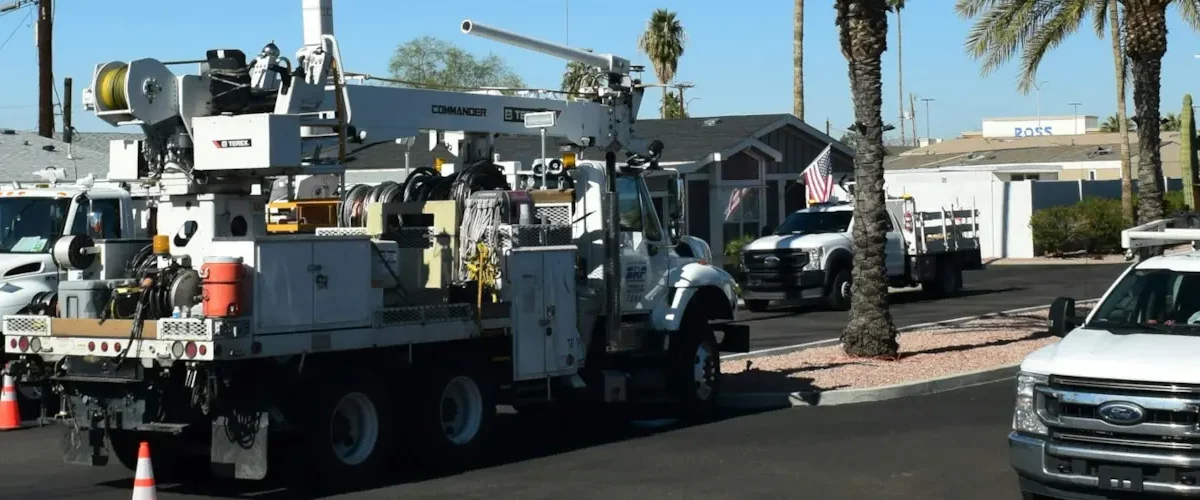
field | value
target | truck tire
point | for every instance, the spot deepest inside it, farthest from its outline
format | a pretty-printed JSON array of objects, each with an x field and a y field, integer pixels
[
  {"x": 166, "y": 459},
  {"x": 695, "y": 367},
  {"x": 757, "y": 305},
  {"x": 455, "y": 412},
  {"x": 948, "y": 281},
  {"x": 839, "y": 291},
  {"x": 350, "y": 431}
]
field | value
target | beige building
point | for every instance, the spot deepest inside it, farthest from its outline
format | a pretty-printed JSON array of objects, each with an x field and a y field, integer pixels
[{"x": 1080, "y": 157}]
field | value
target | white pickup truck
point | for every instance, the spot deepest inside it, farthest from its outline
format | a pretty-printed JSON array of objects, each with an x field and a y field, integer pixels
[
  {"x": 810, "y": 256},
  {"x": 1112, "y": 410}
]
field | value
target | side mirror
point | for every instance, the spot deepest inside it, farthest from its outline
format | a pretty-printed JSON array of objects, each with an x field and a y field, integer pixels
[
  {"x": 1063, "y": 317},
  {"x": 675, "y": 199}
]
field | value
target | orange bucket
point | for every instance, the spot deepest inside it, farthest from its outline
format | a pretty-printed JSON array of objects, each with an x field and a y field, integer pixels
[{"x": 221, "y": 286}]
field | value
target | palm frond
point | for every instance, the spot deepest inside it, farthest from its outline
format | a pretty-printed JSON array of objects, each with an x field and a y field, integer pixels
[
  {"x": 1189, "y": 10},
  {"x": 1100, "y": 16},
  {"x": 1032, "y": 27},
  {"x": 663, "y": 43}
]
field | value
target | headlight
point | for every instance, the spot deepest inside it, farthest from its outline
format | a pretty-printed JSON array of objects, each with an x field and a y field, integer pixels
[
  {"x": 1025, "y": 417},
  {"x": 814, "y": 259}
]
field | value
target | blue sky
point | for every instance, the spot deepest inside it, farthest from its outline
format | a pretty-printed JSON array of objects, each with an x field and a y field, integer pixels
[{"x": 738, "y": 58}]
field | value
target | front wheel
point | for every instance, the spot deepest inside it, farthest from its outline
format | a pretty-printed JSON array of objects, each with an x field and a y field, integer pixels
[
  {"x": 840, "y": 291},
  {"x": 696, "y": 366}
]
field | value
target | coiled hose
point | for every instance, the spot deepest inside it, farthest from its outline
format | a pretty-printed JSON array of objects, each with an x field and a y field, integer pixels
[{"x": 422, "y": 184}]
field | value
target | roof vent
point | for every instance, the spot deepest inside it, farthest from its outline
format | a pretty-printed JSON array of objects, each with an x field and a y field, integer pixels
[
  {"x": 48, "y": 147},
  {"x": 1100, "y": 150},
  {"x": 8, "y": 131},
  {"x": 711, "y": 122}
]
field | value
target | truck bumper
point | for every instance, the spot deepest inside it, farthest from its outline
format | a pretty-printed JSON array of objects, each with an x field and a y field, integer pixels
[
  {"x": 783, "y": 285},
  {"x": 1072, "y": 472}
]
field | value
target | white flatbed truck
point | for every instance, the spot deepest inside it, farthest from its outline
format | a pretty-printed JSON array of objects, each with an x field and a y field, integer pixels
[{"x": 811, "y": 254}]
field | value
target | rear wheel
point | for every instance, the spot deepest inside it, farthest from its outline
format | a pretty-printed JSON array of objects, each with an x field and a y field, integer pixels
[
  {"x": 350, "y": 434},
  {"x": 456, "y": 413},
  {"x": 757, "y": 305},
  {"x": 166, "y": 456}
]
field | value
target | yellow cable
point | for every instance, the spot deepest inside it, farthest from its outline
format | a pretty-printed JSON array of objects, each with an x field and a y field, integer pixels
[{"x": 111, "y": 88}]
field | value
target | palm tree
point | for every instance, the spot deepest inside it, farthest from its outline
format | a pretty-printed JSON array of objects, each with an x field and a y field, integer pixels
[
  {"x": 1033, "y": 27},
  {"x": 1112, "y": 124},
  {"x": 798, "y": 60},
  {"x": 663, "y": 42},
  {"x": 579, "y": 75},
  {"x": 862, "y": 34},
  {"x": 1170, "y": 123},
  {"x": 1121, "y": 72},
  {"x": 897, "y": 6}
]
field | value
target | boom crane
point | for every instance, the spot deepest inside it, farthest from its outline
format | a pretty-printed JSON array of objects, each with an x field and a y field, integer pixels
[{"x": 415, "y": 318}]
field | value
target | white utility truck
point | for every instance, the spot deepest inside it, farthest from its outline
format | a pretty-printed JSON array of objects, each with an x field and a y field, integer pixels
[
  {"x": 402, "y": 327},
  {"x": 1112, "y": 410},
  {"x": 810, "y": 256}
]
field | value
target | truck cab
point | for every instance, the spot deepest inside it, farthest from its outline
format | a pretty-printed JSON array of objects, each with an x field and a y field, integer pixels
[
  {"x": 810, "y": 255},
  {"x": 31, "y": 218}
]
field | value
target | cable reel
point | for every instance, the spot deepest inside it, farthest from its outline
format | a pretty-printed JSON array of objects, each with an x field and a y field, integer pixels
[{"x": 110, "y": 87}]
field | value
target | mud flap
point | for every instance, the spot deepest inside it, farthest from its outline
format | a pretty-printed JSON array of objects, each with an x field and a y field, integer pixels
[
  {"x": 736, "y": 339},
  {"x": 239, "y": 450},
  {"x": 84, "y": 446}
]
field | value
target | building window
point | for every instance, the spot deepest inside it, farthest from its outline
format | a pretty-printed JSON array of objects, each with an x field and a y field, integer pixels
[
  {"x": 1091, "y": 175},
  {"x": 1025, "y": 177},
  {"x": 741, "y": 212}
]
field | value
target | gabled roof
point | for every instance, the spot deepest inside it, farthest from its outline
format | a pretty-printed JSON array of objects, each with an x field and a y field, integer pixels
[{"x": 23, "y": 152}]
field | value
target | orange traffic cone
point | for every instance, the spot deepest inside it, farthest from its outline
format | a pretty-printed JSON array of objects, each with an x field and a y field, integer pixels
[
  {"x": 143, "y": 479},
  {"x": 10, "y": 415}
]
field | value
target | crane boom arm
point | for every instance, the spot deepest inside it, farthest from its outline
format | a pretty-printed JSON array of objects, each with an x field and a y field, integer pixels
[{"x": 387, "y": 113}]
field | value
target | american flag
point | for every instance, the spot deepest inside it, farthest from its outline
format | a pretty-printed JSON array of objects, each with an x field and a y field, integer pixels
[{"x": 818, "y": 178}]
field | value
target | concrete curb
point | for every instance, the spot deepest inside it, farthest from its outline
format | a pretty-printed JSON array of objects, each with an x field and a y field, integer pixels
[{"x": 777, "y": 400}]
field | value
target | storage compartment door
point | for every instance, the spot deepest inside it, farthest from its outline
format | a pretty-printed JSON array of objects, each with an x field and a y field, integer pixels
[
  {"x": 565, "y": 346},
  {"x": 341, "y": 276},
  {"x": 283, "y": 288},
  {"x": 524, "y": 284}
]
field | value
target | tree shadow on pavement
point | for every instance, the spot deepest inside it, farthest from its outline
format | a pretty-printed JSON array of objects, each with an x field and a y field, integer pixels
[
  {"x": 912, "y": 297},
  {"x": 755, "y": 380}
]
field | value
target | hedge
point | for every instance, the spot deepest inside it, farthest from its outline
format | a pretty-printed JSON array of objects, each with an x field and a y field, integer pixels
[{"x": 1091, "y": 226}]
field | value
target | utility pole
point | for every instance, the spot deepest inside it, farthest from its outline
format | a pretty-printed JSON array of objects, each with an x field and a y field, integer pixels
[
  {"x": 827, "y": 127},
  {"x": 912, "y": 117},
  {"x": 1037, "y": 86},
  {"x": 682, "y": 103},
  {"x": 1075, "y": 117},
  {"x": 67, "y": 133},
  {"x": 928, "y": 131},
  {"x": 45, "y": 21}
]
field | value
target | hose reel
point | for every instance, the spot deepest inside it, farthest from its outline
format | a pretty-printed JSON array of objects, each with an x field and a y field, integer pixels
[{"x": 74, "y": 252}]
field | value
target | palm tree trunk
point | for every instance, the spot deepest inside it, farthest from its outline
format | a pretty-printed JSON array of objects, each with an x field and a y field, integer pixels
[
  {"x": 1146, "y": 43},
  {"x": 870, "y": 331},
  {"x": 1114, "y": 24},
  {"x": 900, "y": 71},
  {"x": 798, "y": 60}
]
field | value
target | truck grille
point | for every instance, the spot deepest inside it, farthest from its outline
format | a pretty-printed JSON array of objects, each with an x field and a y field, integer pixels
[
  {"x": 774, "y": 260},
  {"x": 1166, "y": 415}
]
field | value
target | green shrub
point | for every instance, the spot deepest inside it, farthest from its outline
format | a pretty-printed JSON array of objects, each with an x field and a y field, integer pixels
[
  {"x": 1055, "y": 230},
  {"x": 1092, "y": 225},
  {"x": 733, "y": 255}
]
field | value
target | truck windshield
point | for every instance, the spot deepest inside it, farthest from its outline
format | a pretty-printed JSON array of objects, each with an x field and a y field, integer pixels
[
  {"x": 29, "y": 224},
  {"x": 1155, "y": 299},
  {"x": 816, "y": 222}
]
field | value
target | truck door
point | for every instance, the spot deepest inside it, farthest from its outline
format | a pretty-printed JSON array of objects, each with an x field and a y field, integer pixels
[
  {"x": 895, "y": 254},
  {"x": 643, "y": 254}
]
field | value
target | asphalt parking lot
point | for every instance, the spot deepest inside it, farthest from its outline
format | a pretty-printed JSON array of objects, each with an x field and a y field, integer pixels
[
  {"x": 948, "y": 446},
  {"x": 944, "y": 446},
  {"x": 995, "y": 288}
]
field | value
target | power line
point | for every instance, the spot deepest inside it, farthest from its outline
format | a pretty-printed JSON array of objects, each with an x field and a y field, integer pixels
[{"x": 28, "y": 14}]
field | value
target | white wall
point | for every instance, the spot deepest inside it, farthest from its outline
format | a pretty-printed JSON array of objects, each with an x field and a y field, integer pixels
[
  {"x": 1003, "y": 208},
  {"x": 1032, "y": 126}
]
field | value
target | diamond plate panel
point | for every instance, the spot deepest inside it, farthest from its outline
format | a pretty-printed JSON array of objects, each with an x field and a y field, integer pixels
[
  {"x": 554, "y": 214},
  {"x": 27, "y": 325}
]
